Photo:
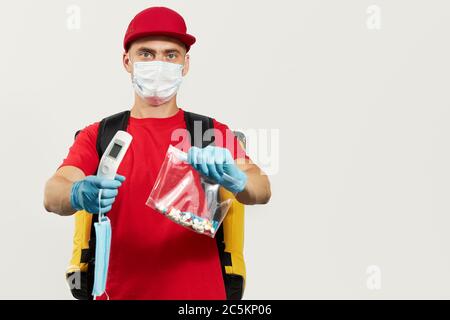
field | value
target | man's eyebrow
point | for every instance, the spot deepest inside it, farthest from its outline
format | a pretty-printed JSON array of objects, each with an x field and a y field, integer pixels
[
  {"x": 172, "y": 50},
  {"x": 145, "y": 49}
]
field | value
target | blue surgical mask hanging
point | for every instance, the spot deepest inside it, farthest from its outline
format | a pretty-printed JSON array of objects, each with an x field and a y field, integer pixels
[{"x": 102, "y": 249}]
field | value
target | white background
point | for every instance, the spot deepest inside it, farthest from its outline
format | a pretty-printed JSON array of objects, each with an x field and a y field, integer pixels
[{"x": 363, "y": 116}]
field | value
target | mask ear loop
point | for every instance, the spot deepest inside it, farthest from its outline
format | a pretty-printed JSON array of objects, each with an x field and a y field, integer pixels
[
  {"x": 100, "y": 214},
  {"x": 131, "y": 61},
  {"x": 132, "y": 64}
]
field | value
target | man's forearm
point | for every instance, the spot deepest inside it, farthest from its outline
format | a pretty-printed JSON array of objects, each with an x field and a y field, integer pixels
[
  {"x": 57, "y": 196},
  {"x": 257, "y": 189}
]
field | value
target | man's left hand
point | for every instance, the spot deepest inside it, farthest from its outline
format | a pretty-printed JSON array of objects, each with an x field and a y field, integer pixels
[{"x": 218, "y": 164}]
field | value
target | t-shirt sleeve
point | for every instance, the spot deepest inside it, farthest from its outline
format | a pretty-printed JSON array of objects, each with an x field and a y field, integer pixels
[
  {"x": 225, "y": 138},
  {"x": 83, "y": 153}
]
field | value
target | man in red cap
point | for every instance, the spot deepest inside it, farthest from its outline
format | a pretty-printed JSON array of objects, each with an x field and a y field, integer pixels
[{"x": 152, "y": 257}]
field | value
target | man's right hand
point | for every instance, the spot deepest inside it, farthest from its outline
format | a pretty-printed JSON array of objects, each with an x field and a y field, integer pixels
[{"x": 84, "y": 194}]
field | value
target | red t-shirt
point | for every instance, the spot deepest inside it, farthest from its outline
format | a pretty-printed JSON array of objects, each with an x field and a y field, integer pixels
[{"x": 152, "y": 257}]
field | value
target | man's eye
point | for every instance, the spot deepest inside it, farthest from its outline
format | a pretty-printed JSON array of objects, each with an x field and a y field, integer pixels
[
  {"x": 171, "y": 55},
  {"x": 145, "y": 54}
]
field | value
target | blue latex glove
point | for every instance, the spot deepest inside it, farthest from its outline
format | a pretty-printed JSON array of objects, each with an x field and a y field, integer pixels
[
  {"x": 84, "y": 194},
  {"x": 217, "y": 163}
]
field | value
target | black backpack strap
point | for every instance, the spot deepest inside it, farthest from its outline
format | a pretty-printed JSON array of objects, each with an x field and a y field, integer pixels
[
  {"x": 108, "y": 127},
  {"x": 197, "y": 125},
  {"x": 233, "y": 283}
]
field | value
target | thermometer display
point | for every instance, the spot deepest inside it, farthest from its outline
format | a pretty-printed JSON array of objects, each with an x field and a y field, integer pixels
[{"x": 115, "y": 150}]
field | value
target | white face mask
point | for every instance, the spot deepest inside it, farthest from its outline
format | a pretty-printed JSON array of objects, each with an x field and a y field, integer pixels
[{"x": 156, "y": 81}]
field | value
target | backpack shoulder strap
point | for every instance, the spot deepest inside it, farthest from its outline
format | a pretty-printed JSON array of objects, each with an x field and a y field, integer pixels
[
  {"x": 193, "y": 121},
  {"x": 108, "y": 128},
  {"x": 197, "y": 125}
]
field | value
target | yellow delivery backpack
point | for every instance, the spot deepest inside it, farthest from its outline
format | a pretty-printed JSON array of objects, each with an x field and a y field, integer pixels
[{"x": 229, "y": 237}]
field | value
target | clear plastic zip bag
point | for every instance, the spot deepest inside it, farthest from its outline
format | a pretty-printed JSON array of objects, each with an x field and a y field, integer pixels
[{"x": 186, "y": 197}]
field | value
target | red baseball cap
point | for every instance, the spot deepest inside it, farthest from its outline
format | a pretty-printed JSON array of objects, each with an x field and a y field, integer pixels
[{"x": 158, "y": 21}]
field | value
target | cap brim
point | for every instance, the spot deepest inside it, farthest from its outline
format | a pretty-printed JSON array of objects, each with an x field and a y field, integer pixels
[{"x": 187, "y": 39}]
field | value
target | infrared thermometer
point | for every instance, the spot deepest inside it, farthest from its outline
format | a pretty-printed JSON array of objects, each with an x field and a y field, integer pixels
[{"x": 114, "y": 154}]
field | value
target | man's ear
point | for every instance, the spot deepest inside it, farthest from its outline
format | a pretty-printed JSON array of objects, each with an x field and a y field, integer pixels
[
  {"x": 186, "y": 65},
  {"x": 127, "y": 62}
]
